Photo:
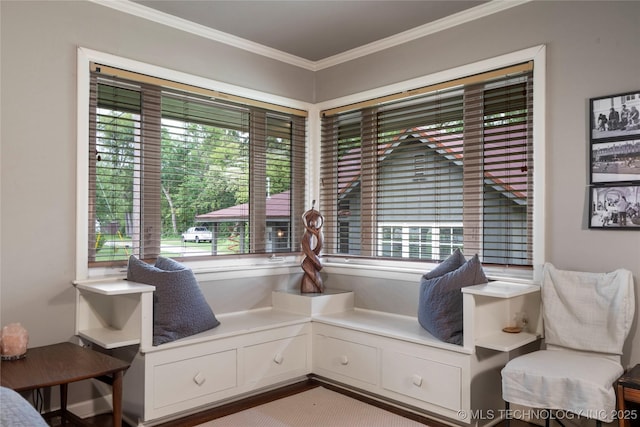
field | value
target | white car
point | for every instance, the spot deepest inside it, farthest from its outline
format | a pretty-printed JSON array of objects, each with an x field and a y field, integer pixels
[{"x": 197, "y": 234}]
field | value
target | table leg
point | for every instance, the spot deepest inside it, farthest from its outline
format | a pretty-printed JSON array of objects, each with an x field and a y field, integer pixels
[
  {"x": 622, "y": 422},
  {"x": 63, "y": 403},
  {"x": 117, "y": 399}
]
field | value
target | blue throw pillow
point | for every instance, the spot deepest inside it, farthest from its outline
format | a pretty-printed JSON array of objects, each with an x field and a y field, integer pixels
[
  {"x": 179, "y": 307},
  {"x": 440, "y": 300},
  {"x": 17, "y": 411}
]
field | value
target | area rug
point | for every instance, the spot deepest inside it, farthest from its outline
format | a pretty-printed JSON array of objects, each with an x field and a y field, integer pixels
[{"x": 318, "y": 407}]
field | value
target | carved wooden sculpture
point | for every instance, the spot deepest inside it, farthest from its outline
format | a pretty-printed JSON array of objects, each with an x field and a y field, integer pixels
[{"x": 311, "y": 246}]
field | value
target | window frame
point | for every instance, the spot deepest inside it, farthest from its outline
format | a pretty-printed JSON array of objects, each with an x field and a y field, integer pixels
[
  {"x": 536, "y": 54},
  {"x": 381, "y": 268},
  {"x": 84, "y": 58}
]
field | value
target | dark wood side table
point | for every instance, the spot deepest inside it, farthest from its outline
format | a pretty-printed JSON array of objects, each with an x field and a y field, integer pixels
[
  {"x": 628, "y": 391},
  {"x": 61, "y": 364}
]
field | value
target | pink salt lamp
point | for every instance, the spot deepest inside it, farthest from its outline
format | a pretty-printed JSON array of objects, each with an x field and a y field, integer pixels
[{"x": 14, "y": 341}]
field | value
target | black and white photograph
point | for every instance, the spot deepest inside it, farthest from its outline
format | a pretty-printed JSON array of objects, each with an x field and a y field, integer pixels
[
  {"x": 615, "y": 207},
  {"x": 617, "y": 161},
  {"x": 615, "y": 117}
]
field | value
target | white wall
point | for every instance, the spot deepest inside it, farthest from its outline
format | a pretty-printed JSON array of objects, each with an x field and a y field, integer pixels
[{"x": 592, "y": 50}]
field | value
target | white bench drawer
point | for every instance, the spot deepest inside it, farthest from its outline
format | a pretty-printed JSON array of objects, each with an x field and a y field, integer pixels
[
  {"x": 191, "y": 378},
  {"x": 427, "y": 380},
  {"x": 353, "y": 360},
  {"x": 273, "y": 359}
]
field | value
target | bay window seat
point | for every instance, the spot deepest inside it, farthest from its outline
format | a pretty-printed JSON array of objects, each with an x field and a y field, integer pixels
[{"x": 385, "y": 356}]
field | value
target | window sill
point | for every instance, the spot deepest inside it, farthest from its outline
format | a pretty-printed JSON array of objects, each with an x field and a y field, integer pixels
[
  {"x": 238, "y": 268},
  {"x": 412, "y": 271},
  {"x": 231, "y": 268}
]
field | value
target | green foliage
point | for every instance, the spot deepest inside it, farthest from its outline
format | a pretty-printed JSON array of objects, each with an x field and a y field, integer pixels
[
  {"x": 203, "y": 168},
  {"x": 116, "y": 148}
]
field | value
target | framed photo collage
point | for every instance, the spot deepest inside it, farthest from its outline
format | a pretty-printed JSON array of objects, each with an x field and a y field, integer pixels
[{"x": 614, "y": 192}]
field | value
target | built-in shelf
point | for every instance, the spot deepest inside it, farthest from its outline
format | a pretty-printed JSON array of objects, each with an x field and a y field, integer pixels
[
  {"x": 501, "y": 289},
  {"x": 116, "y": 287},
  {"x": 503, "y": 341},
  {"x": 109, "y": 337},
  {"x": 492, "y": 306},
  {"x": 112, "y": 313}
]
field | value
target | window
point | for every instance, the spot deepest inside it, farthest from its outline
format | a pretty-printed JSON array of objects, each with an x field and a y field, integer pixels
[
  {"x": 417, "y": 175},
  {"x": 183, "y": 173}
]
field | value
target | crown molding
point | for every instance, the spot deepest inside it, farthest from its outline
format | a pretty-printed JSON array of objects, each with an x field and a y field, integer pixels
[
  {"x": 145, "y": 12},
  {"x": 135, "y": 9}
]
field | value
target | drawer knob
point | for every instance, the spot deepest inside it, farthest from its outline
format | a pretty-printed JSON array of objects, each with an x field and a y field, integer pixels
[
  {"x": 417, "y": 380},
  {"x": 199, "y": 378},
  {"x": 344, "y": 360},
  {"x": 278, "y": 358}
]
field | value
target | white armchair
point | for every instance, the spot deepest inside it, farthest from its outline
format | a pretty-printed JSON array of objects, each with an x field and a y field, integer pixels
[{"x": 587, "y": 317}]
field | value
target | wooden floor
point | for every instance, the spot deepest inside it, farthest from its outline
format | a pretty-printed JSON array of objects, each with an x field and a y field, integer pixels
[{"x": 106, "y": 420}]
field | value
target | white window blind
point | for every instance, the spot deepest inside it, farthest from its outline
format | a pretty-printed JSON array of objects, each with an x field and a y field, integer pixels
[
  {"x": 163, "y": 160},
  {"x": 417, "y": 175}
]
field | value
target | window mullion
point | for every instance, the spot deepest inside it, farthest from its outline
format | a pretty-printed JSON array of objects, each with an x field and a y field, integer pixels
[
  {"x": 369, "y": 199},
  {"x": 298, "y": 136},
  {"x": 150, "y": 229},
  {"x": 329, "y": 195},
  {"x": 93, "y": 155},
  {"x": 528, "y": 167},
  {"x": 473, "y": 169},
  {"x": 258, "y": 180}
]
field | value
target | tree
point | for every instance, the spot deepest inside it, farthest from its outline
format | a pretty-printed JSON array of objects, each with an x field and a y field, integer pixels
[
  {"x": 204, "y": 168},
  {"x": 116, "y": 149}
]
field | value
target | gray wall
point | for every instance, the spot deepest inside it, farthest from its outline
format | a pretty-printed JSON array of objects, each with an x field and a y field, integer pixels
[
  {"x": 39, "y": 41},
  {"x": 592, "y": 50}
]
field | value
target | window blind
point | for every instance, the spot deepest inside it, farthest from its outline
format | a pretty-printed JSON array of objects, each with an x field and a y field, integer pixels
[
  {"x": 164, "y": 160},
  {"x": 417, "y": 176}
]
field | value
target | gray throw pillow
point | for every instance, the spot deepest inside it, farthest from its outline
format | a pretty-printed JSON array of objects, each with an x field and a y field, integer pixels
[
  {"x": 440, "y": 300},
  {"x": 453, "y": 262},
  {"x": 168, "y": 264},
  {"x": 179, "y": 307}
]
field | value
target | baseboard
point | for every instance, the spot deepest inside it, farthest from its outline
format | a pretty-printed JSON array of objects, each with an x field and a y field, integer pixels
[{"x": 92, "y": 407}]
